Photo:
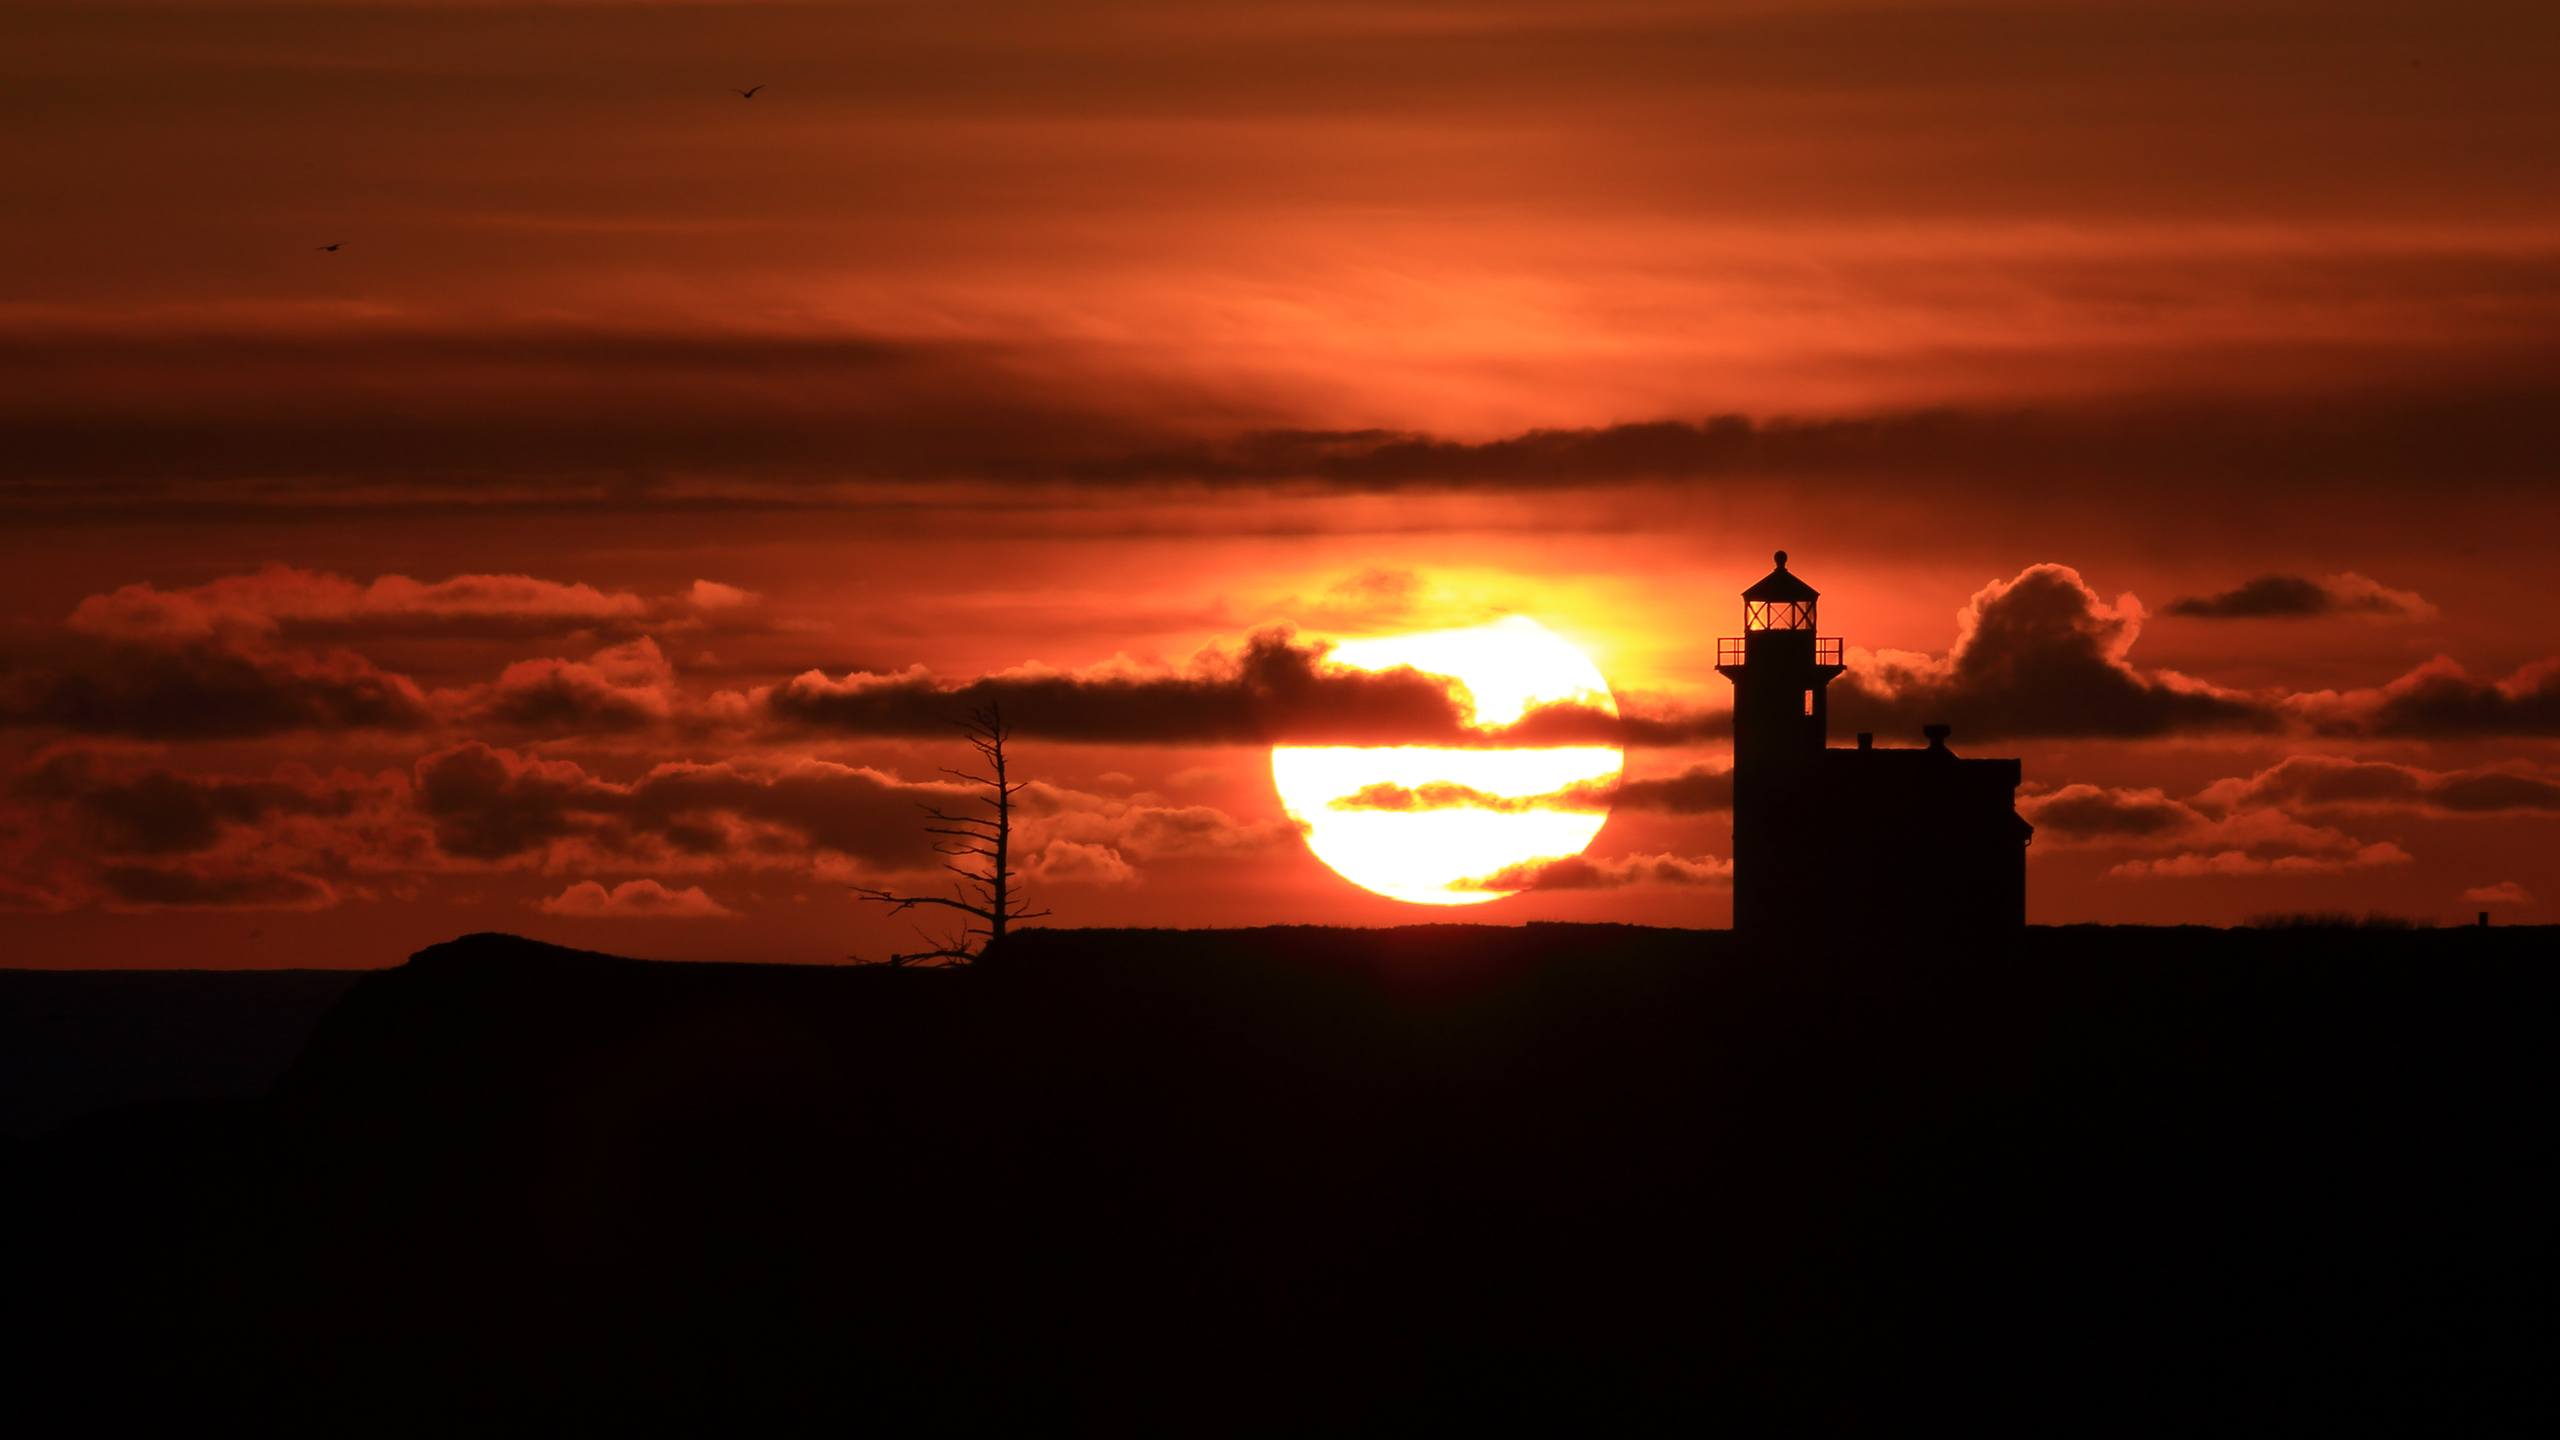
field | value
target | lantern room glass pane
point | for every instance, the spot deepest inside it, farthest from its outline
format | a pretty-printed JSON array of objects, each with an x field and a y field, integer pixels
[{"x": 1777, "y": 615}]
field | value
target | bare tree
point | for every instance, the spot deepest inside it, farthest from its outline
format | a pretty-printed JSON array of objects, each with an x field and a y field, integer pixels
[{"x": 981, "y": 851}]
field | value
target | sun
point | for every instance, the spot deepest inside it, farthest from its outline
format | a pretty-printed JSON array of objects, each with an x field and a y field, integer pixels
[{"x": 1441, "y": 826}]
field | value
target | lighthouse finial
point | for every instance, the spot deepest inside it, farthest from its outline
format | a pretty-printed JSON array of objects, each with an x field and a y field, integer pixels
[{"x": 1782, "y": 559}]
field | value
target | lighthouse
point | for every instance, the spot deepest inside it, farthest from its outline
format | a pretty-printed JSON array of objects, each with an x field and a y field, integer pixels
[{"x": 1872, "y": 841}]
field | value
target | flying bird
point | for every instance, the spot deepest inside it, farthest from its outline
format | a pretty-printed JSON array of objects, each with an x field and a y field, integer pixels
[
  {"x": 744, "y": 94},
  {"x": 332, "y": 246}
]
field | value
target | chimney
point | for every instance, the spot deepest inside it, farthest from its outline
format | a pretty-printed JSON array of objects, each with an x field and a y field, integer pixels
[
  {"x": 1866, "y": 739},
  {"x": 1937, "y": 735},
  {"x": 2484, "y": 919}
]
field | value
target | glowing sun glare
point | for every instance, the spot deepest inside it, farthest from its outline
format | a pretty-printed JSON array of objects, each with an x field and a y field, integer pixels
[{"x": 1383, "y": 816}]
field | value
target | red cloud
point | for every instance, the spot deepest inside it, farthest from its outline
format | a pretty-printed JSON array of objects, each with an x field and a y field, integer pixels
[
  {"x": 1070, "y": 862},
  {"x": 622, "y": 687},
  {"x": 90, "y": 826},
  {"x": 281, "y": 598},
  {"x": 635, "y": 900}
]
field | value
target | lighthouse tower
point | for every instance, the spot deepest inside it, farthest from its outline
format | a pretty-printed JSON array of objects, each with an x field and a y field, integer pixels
[
  {"x": 1781, "y": 672},
  {"x": 1909, "y": 846}
]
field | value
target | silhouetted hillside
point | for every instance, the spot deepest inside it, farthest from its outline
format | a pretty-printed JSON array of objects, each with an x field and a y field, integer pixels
[
  {"x": 73, "y": 1042},
  {"x": 2110, "y": 1180}
]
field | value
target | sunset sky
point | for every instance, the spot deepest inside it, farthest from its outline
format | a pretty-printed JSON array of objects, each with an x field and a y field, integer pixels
[{"x": 594, "y": 545}]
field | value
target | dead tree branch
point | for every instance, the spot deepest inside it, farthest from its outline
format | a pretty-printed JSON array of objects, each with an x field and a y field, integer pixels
[{"x": 985, "y": 896}]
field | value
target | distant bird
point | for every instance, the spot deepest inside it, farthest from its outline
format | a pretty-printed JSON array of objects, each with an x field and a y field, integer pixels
[
  {"x": 744, "y": 94},
  {"x": 332, "y": 246}
]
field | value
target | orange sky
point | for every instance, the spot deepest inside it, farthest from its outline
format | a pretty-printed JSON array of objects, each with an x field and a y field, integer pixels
[{"x": 1001, "y": 335}]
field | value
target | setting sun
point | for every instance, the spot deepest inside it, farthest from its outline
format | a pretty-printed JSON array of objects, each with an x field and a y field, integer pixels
[{"x": 1457, "y": 826}]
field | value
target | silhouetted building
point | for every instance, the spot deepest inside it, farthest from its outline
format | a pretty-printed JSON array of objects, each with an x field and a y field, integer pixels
[{"x": 1876, "y": 841}]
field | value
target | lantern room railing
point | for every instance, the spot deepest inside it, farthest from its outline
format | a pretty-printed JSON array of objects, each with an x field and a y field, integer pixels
[{"x": 1735, "y": 650}]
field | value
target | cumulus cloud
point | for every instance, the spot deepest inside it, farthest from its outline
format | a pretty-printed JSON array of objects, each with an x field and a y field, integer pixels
[
  {"x": 1584, "y": 872},
  {"x": 2296, "y": 597},
  {"x": 492, "y": 804},
  {"x": 1071, "y": 862},
  {"x": 2505, "y": 892},
  {"x": 2092, "y": 812},
  {"x": 635, "y": 900},
  {"x": 619, "y": 688},
  {"x": 2039, "y": 655},
  {"x": 2438, "y": 700}
]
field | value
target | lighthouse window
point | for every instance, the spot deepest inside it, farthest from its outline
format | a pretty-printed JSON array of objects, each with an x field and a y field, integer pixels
[{"x": 1808, "y": 702}]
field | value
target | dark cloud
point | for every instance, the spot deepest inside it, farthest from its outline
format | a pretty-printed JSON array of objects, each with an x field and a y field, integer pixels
[
  {"x": 2290, "y": 597},
  {"x": 1583, "y": 872},
  {"x": 108, "y": 824},
  {"x": 207, "y": 691},
  {"x": 1694, "y": 791},
  {"x": 490, "y": 804},
  {"x": 575, "y": 418},
  {"x": 1697, "y": 790},
  {"x": 161, "y": 812},
  {"x": 493, "y": 805},
  {"x": 2440, "y": 700},
  {"x": 174, "y": 888},
  {"x": 2039, "y": 655},
  {"x": 1275, "y": 689},
  {"x": 1449, "y": 795},
  {"x": 504, "y": 417}
]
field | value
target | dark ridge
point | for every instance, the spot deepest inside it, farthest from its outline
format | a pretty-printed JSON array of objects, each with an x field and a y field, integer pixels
[
  {"x": 2099, "y": 1181},
  {"x": 76, "y": 1042}
]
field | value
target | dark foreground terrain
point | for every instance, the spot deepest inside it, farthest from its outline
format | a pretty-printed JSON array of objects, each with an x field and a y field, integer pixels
[{"x": 2110, "y": 1181}]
